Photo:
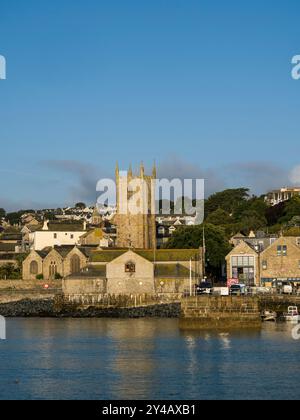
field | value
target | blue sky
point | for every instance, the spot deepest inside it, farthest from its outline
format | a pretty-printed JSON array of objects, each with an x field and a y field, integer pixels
[{"x": 203, "y": 87}]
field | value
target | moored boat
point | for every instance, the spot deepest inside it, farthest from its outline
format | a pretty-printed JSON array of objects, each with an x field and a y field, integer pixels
[
  {"x": 292, "y": 315},
  {"x": 269, "y": 316}
]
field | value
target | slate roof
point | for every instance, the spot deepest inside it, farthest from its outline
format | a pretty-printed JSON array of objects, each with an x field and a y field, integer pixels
[
  {"x": 64, "y": 227},
  {"x": 172, "y": 270},
  {"x": 90, "y": 272},
  {"x": 7, "y": 247},
  {"x": 163, "y": 255}
]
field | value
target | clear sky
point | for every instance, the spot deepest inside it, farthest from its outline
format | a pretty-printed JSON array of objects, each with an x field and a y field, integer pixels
[{"x": 204, "y": 87}]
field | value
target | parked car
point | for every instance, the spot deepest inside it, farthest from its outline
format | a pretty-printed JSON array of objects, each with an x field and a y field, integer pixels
[
  {"x": 204, "y": 288},
  {"x": 237, "y": 290}
]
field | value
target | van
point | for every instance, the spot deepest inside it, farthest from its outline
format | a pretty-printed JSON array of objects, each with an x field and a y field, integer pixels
[{"x": 237, "y": 290}]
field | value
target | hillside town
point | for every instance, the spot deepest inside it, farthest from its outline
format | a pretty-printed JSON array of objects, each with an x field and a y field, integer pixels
[{"x": 244, "y": 239}]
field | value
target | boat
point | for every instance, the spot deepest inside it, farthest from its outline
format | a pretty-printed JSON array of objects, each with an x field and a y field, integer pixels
[
  {"x": 269, "y": 316},
  {"x": 292, "y": 315}
]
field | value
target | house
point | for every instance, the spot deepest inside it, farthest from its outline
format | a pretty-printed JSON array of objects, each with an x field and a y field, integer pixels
[
  {"x": 56, "y": 234},
  {"x": 281, "y": 262},
  {"x": 95, "y": 237},
  {"x": 243, "y": 264},
  {"x": 123, "y": 271},
  {"x": 57, "y": 262},
  {"x": 281, "y": 195},
  {"x": 258, "y": 240}
]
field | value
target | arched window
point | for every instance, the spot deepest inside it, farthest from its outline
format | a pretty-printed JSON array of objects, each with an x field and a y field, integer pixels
[
  {"x": 75, "y": 264},
  {"x": 130, "y": 267},
  {"x": 34, "y": 268},
  {"x": 52, "y": 270}
]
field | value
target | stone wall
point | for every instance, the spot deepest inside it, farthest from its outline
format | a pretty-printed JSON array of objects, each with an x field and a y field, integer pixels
[{"x": 225, "y": 313}]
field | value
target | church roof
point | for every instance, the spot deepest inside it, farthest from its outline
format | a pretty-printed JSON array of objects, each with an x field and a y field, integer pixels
[{"x": 160, "y": 255}]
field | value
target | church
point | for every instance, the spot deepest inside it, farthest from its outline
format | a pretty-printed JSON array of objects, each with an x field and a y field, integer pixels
[{"x": 135, "y": 265}]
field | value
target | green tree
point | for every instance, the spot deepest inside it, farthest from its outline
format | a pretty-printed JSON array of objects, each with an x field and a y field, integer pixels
[
  {"x": 10, "y": 272},
  {"x": 291, "y": 209},
  {"x": 216, "y": 244},
  {"x": 227, "y": 200},
  {"x": 2, "y": 213},
  {"x": 80, "y": 205},
  {"x": 219, "y": 218}
]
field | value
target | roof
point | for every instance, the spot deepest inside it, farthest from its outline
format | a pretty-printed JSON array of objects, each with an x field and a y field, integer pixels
[
  {"x": 64, "y": 227},
  {"x": 64, "y": 250},
  {"x": 94, "y": 271},
  {"x": 11, "y": 237},
  {"x": 7, "y": 247},
  {"x": 163, "y": 255},
  {"x": 172, "y": 270},
  {"x": 8, "y": 257}
]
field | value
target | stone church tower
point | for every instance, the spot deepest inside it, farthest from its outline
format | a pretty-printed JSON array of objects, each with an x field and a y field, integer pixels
[{"x": 135, "y": 218}]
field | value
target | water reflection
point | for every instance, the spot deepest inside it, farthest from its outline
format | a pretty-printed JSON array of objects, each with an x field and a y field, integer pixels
[{"x": 146, "y": 358}]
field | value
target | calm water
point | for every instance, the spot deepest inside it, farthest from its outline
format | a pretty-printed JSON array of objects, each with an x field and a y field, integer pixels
[{"x": 144, "y": 359}]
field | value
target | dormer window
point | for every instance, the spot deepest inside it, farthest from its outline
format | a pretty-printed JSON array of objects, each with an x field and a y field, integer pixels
[{"x": 130, "y": 267}]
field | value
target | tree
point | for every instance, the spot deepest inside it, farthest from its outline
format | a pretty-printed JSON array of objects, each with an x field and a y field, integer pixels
[
  {"x": 219, "y": 218},
  {"x": 291, "y": 209},
  {"x": 10, "y": 272},
  {"x": 80, "y": 206},
  {"x": 216, "y": 244},
  {"x": 227, "y": 200},
  {"x": 2, "y": 213}
]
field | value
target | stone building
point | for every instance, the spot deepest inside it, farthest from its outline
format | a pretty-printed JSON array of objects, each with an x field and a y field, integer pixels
[
  {"x": 281, "y": 262},
  {"x": 122, "y": 271},
  {"x": 55, "y": 262},
  {"x": 136, "y": 228},
  {"x": 243, "y": 264}
]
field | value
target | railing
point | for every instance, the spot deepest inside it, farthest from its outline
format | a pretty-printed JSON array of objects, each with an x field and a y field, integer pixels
[{"x": 124, "y": 301}]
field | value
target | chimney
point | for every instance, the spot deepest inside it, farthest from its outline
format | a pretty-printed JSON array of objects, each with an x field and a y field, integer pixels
[
  {"x": 84, "y": 225},
  {"x": 45, "y": 226}
]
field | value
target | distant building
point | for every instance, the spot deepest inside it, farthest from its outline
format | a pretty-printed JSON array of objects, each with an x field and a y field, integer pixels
[
  {"x": 283, "y": 194},
  {"x": 56, "y": 234},
  {"x": 257, "y": 240}
]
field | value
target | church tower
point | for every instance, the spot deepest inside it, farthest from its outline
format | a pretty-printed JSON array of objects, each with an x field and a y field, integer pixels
[{"x": 135, "y": 218}]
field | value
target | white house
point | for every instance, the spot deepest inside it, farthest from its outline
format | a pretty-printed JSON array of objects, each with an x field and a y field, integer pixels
[{"x": 56, "y": 234}]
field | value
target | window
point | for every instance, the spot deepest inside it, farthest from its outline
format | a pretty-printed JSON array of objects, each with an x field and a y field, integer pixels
[
  {"x": 282, "y": 251},
  {"x": 52, "y": 270},
  {"x": 265, "y": 265},
  {"x": 130, "y": 267},
  {"x": 55, "y": 235},
  {"x": 75, "y": 264},
  {"x": 34, "y": 268},
  {"x": 72, "y": 236}
]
